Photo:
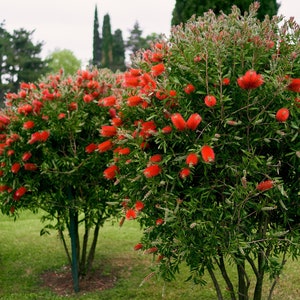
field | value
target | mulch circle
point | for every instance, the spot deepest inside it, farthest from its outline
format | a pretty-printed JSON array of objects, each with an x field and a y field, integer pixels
[{"x": 60, "y": 282}]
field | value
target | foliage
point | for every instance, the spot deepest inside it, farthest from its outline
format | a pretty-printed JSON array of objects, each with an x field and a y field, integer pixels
[
  {"x": 210, "y": 148},
  {"x": 19, "y": 59},
  {"x": 63, "y": 60},
  {"x": 107, "y": 43},
  {"x": 51, "y": 155},
  {"x": 185, "y": 9}
]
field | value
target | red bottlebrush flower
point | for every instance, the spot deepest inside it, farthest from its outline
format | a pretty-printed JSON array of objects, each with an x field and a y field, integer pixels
[
  {"x": 91, "y": 148},
  {"x": 19, "y": 193},
  {"x": 151, "y": 250},
  {"x": 193, "y": 121},
  {"x": 172, "y": 93},
  {"x": 3, "y": 188},
  {"x": 28, "y": 125},
  {"x": 160, "y": 95},
  {"x": 155, "y": 158},
  {"x": 185, "y": 172},
  {"x": 158, "y": 69},
  {"x": 189, "y": 89},
  {"x": 130, "y": 80},
  {"x": 107, "y": 101},
  {"x": 105, "y": 146},
  {"x": 282, "y": 114},
  {"x": 294, "y": 85},
  {"x": 116, "y": 121},
  {"x": 251, "y": 80},
  {"x": 134, "y": 100},
  {"x": 159, "y": 222},
  {"x": 108, "y": 131},
  {"x": 226, "y": 81},
  {"x": 111, "y": 172},
  {"x": 210, "y": 100},
  {"x": 124, "y": 151},
  {"x": 166, "y": 130},
  {"x": 138, "y": 246},
  {"x": 87, "y": 98},
  {"x": 139, "y": 205},
  {"x": 61, "y": 116},
  {"x": 135, "y": 72},
  {"x": 178, "y": 121},
  {"x": 15, "y": 168},
  {"x": 148, "y": 128},
  {"x": 73, "y": 106},
  {"x": 4, "y": 120},
  {"x": 26, "y": 156},
  {"x": 44, "y": 135},
  {"x": 30, "y": 167},
  {"x": 35, "y": 137},
  {"x": 10, "y": 152},
  {"x": 192, "y": 159},
  {"x": 207, "y": 153},
  {"x": 130, "y": 214},
  {"x": 25, "y": 109},
  {"x": 152, "y": 171},
  {"x": 265, "y": 185}
]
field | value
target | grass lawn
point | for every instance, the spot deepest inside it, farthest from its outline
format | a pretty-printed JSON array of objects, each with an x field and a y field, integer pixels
[{"x": 25, "y": 256}]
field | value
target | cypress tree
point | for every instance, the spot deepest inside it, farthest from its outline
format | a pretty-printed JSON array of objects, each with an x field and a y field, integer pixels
[
  {"x": 184, "y": 9},
  {"x": 97, "y": 42},
  {"x": 107, "y": 41},
  {"x": 118, "y": 51}
]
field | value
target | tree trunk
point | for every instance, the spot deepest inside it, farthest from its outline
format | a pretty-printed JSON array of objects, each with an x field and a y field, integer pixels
[
  {"x": 91, "y": 255},
  {"x": 216, "y": 284},
  {"x": 74, "y": 246},
  {"x": 224, "y": 273},
  {"x": 242, "y": 281}
]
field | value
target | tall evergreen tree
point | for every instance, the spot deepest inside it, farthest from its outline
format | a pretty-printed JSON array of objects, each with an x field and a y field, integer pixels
[
  {"x": 184, "y": 9},
  {"x": 136, "y": 41},
  {"x": 107, "y": 43},
  {"x": 97, "y": 42},
  {"x": 118, "y": 51},
  {"x": 19, "y": 59}
]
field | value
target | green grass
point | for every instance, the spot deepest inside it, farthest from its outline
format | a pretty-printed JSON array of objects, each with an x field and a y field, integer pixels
[{"x": 25, "y": 256}]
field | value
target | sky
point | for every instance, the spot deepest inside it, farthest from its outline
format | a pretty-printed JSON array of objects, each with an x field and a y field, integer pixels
[{"x": 68, "y": 24}]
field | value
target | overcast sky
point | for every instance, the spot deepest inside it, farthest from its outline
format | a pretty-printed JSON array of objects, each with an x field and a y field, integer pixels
[{"x": 68, "y": 24}]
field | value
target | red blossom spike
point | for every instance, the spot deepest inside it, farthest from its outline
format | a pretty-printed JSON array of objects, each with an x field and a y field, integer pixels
[
  {"x": 282, "y": 114},
  {"x": 130, "y": 214},
  {"x": 19, "y": 193},
  {"x": 152, "y": 171},
  {"x": 108, "y": 131},
  {"x": 91, "y": 148},
  {"x": 158, "y": 69},
  {"x": 192, "y": 159},
  {"x": 138, "y": 246},
  {"x": 210, "y": 100},
  {"x": 189, "y": 89},
  {"x": 15, "y": 168},
  {"x": 294, "y": 85},
  {"x": 265, "y": 185},
  {"x": 111, "y": 172},
  {"x": 139, "y": 205},
  {"x": 28, "y": 125},
  {"x": 207, "y": 153},
  {"x": 193, "y": 121},
  {"x": 178, "y": 121},
  {"x": 105, "y": 146},
  {"x": 251, "y": 80},
  {"x": 185, "y": 172},
  {"x": 134, "y": 100}
]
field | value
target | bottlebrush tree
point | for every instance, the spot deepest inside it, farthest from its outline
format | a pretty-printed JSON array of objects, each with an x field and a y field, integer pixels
[
  {"x": 53, "y": 158},
  {"x": 211, "y": 122}
]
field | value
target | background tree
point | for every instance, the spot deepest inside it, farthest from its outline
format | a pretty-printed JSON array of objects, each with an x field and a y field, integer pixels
[
  {"x": 118, "y": 52},
  {"x": 97, "y": 42},
  {"x": 53, "y": 158},
  {"x": 135, "y": 41},
  {"x": 184, "y": 9},
  {"x": 20, "y": 59},
  {"x": 107, "y": 43},
  {"x": 65, "y": 60}
]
